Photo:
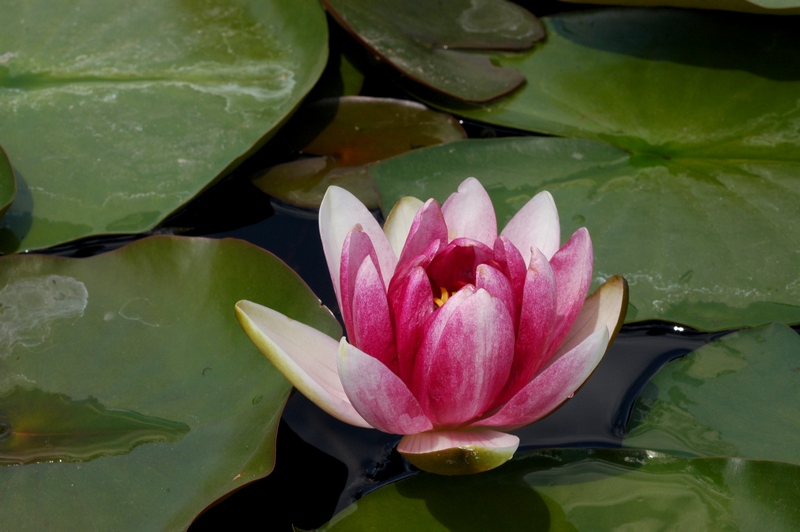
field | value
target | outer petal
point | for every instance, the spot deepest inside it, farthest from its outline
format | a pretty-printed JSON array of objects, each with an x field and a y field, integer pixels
[
  {"x": 339, "y": 212},
  {"x": 428, "y": 225},
  {"x": 458, "y": 452},
  {"x": 399, "y": 221},
  {"x": 378, "y": 394},
  {"x": 372, "y": 323},
  {"x": 535, "y": 325},
  {"x": 465, "y": 357},
  {"x": 572, "y": 265},
  {"x": 469, "y": 213},
  {"x": 535, "y": 225},
  {"x": 552, "y": 386},
  {"x": 304, "y": 355},
  {"x": 607, "y": 307}
]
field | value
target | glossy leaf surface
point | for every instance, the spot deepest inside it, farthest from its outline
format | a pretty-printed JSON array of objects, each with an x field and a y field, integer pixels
[
  {"x": 127, "y": 111},
  {"x": 148, "y": 333},
  {"x": 713, "y": 247},
  {"x": 345, "y": 134},
  {"x": 8, "y": 187},
  {"x": 421, "y": 40},
  {"x": 569, "y": 490},
  {"x": 737, "y": 396},
  {"x": 770, "y": 7}
]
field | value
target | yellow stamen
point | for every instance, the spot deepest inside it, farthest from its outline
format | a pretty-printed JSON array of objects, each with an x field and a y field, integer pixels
[{"x": 441, "y": 300}]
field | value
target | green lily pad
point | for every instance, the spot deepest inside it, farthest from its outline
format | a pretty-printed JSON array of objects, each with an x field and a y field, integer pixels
[
  {"x": 568, "y": 490},
  {"x": 735, "y": 397},
  {"x": 713, "y": 247},
  {"x": 124, "y": 113},
  {"x": 420, "y": 40},
  {"x": 775, "y": 7},
  {"x": 163, "y": 403},
  {"x": 680, "y": 84},
  {"x": 347, "y": 133},
  {"x": 8, "y": 186}
]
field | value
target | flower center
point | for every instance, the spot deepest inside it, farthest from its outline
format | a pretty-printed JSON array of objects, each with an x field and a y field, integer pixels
[{"x": 445, "y": 296}]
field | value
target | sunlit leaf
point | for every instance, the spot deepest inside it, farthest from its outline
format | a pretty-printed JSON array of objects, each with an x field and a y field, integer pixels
[
  {"x": 737, "y": 396},
  {"x": 420, "y": 39},
  {"x": 568, "y": 490},
  {"x": 8, "y": 187},
  {"x": 710, "y": 246},
  {"x": 145, "y": 334},
  {"x": 345, "y": 134},
  {"x": 771, "y": 7},
  {"x": 116, "y": 115}
]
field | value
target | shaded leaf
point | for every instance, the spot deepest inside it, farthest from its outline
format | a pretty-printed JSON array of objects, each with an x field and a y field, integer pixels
[
  {"x": 419, "y": 40},
  {"x": 8, "y": 186},
  {"x": 347, "y": 133},
  {"x": 772, "y": 7},
  {"x": 710, "y": 246},
  {"x": 148, "y": 328},
  {"x": 735, "y": 397},
  {"x": 567, "y": 490},
  {"x": 126, "y": 112}
]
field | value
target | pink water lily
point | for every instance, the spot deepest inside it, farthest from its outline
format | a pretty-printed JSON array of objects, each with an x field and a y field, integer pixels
[{"x": 455, "y": 335}]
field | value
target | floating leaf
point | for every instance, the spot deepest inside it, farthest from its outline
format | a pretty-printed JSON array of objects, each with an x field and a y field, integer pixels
[
  {"x": 347, "y": 133},
  {"x": 736, "y": 397},
  {"x": 772, "y": 7},
  {"x": 126, "y": 112},
  {"x": 419, "y": 40},
  {"x": 567, "y": 490},
  {"x": 710, "y": 246},
  {"x": 37, "y": 426},
  {"x": 8, "y": 186},
  {"x": 148, "y": 328}
]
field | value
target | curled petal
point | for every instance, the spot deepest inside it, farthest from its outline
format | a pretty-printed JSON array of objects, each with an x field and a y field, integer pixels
[
  {"x": 469, "y": 213},
  {"x": 411, "y": 303},
  {"x": 510, "y": 261},
  {"x": 372, "y": 324},
  {"x": 572, "y": 265},
  {"x": 304, "y": 355},
  {"x": 378, "y": 394},
  {"x": 428, "y": 226},
  {"x": 339, "y": 212},
  {"x": 607, "y": 307},
  {"x": 535, "y": 225},
  {"x": 399, "y": 221},
  {"x": 465, "y": 357},
  {"x": 458, "y": 452},
  {"x": 552, "y": 386},
  {"x": 493, "y": 281}
]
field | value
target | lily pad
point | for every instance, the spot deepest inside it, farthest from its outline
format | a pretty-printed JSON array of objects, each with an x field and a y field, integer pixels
[
  {"x": 167, "y": 403},
  {"x": 126, "y": 112},
  {"x": 420, "y": 40},
  {"x": 347, "y": 133},
  {"x": 568, "y": 490},
  {"x": 710, "y": 246},
  {"x": 735, "y": 397},
  {"x": 773, "y": 7},
  {"x": 8, "y": 186}
]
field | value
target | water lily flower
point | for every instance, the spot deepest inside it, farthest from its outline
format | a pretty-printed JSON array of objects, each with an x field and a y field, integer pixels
[{"x": 455, "y": 334}]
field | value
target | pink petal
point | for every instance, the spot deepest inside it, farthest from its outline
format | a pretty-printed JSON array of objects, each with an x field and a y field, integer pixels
[
  {"x": 399, "y": 221},
  {"x": 509, "y": 259},
  {"x": 458, "y": 452},
  {"x": 464, "y": 358},
  {"x": 303, "y": 354},
  {"x": 411, "y": 301},
  {"x": 378, "y": 394},
  {"x": 372, "y": 329},
  {"x": 469, "y": 213},
  {"x": 552, "y": 386},
  {"x": 356, "y": 248},
  {"x": 535, "y": 225},
  {"x": 428, "y": 225},
  {"x": 455, "y": 265},
  {"x": 606, "y": 307},
  {"x": 572, "y": 265},
  {"x": 535, "y": 325},
  {"x": 339, "y": 212},
  {"x": 493, "y": 281}
]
